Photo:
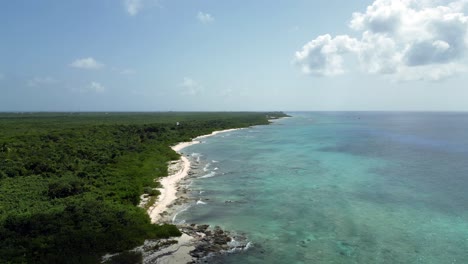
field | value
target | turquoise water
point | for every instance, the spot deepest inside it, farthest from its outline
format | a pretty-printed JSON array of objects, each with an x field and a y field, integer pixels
[{"x": 345, "y": 187}]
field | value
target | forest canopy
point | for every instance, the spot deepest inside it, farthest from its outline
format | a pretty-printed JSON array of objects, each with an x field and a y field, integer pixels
[{"x": 70, "y": 182}]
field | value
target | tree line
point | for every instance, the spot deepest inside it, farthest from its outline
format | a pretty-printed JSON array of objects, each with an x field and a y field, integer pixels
[{"x": 70, "y": 183}]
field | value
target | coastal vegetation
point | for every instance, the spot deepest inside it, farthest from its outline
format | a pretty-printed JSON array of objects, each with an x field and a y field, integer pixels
[{"x": 70, "y": 183}]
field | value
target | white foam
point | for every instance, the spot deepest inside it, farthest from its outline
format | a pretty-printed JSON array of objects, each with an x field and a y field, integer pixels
[
  {"x": 197, "y": 156},
  {"x": 214, "y": 161},
  {"x": 206, "y": 167},
  {"x": 215, "y": 168},
  {"x": 200, "y": 202},
  {"x": 233, "y": 243},
  {"x": 249, "y": 245},
  {"x": 175, "y": 216},
  {"x": 209, "y": 175},
  {"x": 238, "y": 246}
]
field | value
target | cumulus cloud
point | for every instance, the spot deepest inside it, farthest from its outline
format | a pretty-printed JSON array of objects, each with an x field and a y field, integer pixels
[
  {"x": 205, "y": 17},
  {"x": 323, "y": 55},
  {"x": 190, "y": 87},
  {"x": 87, "y": 63},
  {"x": 41, "y": 81},
  {"x": 95, "y": 87},
  {"x": 427, "y": 39},
  {"x": 133, "y": 7}
]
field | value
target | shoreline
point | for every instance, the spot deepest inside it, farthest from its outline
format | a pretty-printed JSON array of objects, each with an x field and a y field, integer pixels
[
  {"x": 169, "y": 184},
  {"x": 194, "y": 237}
]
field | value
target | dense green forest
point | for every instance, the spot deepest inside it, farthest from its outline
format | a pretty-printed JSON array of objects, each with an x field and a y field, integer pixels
[{"x": 70, "y": 182}]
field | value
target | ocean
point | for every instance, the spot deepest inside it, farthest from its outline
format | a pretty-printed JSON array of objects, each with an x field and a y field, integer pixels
[{"x": 338, "y": 187}]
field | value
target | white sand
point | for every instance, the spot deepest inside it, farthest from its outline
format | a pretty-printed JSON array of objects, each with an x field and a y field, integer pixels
[
  {"x": 176, "y": 253},
  {"x": 169, "y": 184},
  {"x": 217, "y": 132},
  {"x": 183, "y": 145},
  {"x": 180, "y": 252}
]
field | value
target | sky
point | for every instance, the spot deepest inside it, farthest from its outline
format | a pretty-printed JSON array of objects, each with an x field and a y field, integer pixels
[{"x": 220, "y": 55}]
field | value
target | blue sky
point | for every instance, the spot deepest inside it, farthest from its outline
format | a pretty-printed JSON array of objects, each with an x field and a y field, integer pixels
[{"x": 209, "y": 55}]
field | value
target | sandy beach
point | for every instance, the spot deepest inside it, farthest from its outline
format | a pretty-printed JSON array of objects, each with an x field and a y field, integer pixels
[
  {"x": 169, "y": 189},
  {"x": 178, "y": 170},
  {"x": 214, "y": 133}
]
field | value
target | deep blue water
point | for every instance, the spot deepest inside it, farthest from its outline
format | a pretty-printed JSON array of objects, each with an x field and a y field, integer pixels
[{"x": 339, "y": 187}]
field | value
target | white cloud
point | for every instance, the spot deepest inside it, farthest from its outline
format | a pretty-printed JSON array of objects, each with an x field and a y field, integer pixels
[
  {"x": 431, "y": 73},
  {"x": 96, "y": 87},
  {"x": 426, "y": 38},
  {"x": 87, "y": 63},
  {"x": 205, "y": 17},
  {"x": 323, "y": 55},
  {"x": 41, "y": 81},
  {"x": 190, "y": 87},
  {"x": 133, "y": 6}
]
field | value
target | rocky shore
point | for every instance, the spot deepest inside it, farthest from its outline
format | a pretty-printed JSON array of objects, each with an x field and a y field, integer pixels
[{"x": 197, "y": 244}]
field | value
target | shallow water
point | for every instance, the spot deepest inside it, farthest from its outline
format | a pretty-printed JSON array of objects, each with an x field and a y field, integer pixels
[{"x": 339, "y": 187}]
